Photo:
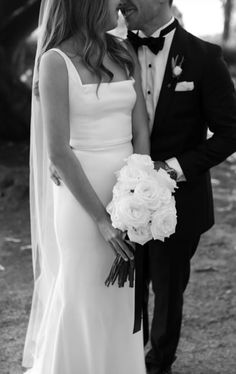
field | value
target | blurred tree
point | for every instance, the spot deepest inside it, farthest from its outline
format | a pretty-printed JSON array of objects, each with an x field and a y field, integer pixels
[
  {"x": 228, "y": 9},
  {"x": 18, "y": 18},
  {"x": 229, "y": 43}
]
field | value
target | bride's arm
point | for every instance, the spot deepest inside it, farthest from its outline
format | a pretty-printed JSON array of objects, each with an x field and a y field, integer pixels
[
  {"x": 53, "y": 89},
  {"x": 141, "y": 136}
]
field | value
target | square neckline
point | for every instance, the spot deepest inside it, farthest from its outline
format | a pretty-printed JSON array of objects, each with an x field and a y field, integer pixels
[{"x": 66, "y": 57}]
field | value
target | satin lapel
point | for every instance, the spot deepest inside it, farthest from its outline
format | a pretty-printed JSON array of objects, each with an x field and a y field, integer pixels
[{"x": 168, "y": 85}]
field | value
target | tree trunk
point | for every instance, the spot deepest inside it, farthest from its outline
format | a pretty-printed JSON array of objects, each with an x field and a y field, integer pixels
[{"x": 228, "y": 7}]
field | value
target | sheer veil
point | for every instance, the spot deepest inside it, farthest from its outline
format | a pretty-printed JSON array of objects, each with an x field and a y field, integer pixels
[{"x": 44, "y": 247}]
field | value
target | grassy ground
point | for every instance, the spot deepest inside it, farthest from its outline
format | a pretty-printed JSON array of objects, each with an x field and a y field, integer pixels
[{"x": 209, "y": 329}]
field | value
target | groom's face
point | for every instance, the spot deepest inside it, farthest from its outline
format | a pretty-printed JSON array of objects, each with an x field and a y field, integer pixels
[{"x": 140, "y": 12}]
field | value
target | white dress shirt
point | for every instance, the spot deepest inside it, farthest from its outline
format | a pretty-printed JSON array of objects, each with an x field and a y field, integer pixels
[{"x": 152, "y": 72}]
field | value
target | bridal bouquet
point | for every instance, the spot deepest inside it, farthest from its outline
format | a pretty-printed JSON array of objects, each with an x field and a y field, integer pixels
[{"x": 143, "y": 205}]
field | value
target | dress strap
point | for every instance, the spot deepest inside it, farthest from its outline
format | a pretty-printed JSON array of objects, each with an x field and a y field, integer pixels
[{"x": 69, "y": 63}]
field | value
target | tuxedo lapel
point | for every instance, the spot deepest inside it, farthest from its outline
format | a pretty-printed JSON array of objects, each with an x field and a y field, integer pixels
[{"x": 168, "y": 85}]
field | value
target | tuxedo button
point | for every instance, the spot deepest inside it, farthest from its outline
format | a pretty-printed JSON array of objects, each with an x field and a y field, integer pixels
[
  {"x": 149, "y": 92},
  {"x": 150, "y": 65}
]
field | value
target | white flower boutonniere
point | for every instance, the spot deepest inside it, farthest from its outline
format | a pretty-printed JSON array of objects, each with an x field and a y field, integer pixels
[{"x": 177, "y": 67}]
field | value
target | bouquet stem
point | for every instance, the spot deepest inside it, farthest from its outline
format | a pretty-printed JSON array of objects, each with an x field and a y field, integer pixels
[{"x": 122, "y": 271}]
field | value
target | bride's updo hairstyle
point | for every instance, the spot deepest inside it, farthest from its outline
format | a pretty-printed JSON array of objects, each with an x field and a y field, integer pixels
[{"x": 88, "y": 21}]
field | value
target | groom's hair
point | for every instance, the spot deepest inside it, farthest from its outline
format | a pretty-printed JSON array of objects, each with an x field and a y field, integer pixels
[{"x": 170, "y": 2}]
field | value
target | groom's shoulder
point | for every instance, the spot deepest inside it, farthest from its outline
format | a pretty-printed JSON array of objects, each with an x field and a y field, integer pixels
[{"x": 202, "y": 47}]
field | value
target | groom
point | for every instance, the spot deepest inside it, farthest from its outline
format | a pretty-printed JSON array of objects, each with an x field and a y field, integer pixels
[{"x": 188, "y": 89}]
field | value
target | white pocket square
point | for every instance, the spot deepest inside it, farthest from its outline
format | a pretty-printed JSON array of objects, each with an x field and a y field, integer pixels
[{"x": 184, "y": 86}]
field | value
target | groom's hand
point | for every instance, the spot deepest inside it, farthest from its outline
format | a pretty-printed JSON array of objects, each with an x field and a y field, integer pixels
[
  {"x": 159, "y": 165},
  {"x": 54, "y": 175},
  {"x": 164, "y": 165}
]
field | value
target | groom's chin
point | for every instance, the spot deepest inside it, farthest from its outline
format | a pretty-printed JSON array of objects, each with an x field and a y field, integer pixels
[{"x": 131, "y": 25}]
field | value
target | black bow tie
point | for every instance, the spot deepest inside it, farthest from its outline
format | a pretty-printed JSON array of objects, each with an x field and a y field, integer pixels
[{"x": 154, "y": 44}]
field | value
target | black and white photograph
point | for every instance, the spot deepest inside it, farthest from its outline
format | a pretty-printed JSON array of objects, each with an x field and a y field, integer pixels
[{"x": 117, "y": 186}]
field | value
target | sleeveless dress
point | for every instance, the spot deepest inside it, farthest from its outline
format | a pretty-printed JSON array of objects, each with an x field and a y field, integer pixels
[{"x": 88, "y": 327}]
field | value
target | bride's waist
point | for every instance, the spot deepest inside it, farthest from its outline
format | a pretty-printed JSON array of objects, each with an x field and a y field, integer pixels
[{"x": 86, "y": 145}]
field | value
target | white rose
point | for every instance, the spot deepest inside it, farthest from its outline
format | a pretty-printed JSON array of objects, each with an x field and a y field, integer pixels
[
  {"x": 141, "y": 235},
  {"x": 164, "y": 180},
  {"x": 131, "y": 175},
  {"x": 122, "y": 188},
  {"x": 115, "y": 218},
  {"x": 131, "y": 212},
  {"x": 165, "y": 196},
  {"x": 164, "y": 221},
  {"x": 177, "y": 71},
  {"x": 143, "y": 162},
  {"x": 150, "y": 193}
]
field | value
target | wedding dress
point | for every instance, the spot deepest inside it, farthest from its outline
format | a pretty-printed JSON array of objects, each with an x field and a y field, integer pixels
[{"x": 87, "y": 328}]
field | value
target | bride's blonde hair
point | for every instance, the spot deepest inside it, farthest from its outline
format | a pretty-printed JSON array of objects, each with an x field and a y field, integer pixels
[{"x": 88, "y": 19}]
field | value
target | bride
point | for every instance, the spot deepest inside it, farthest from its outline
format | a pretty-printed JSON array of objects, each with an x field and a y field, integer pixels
[{"x": 88, "y": 115}]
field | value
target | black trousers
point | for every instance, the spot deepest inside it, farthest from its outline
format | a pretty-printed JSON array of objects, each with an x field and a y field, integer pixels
[{"x": 167, "y": 266}]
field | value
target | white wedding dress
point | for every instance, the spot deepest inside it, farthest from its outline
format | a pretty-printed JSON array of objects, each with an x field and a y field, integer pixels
[{"x": 88, "y": 327}]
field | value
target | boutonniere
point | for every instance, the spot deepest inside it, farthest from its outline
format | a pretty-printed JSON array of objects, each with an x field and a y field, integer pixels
[{"x": 177, "y": 70}]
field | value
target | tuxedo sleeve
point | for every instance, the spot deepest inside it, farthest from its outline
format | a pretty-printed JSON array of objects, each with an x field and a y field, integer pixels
[{"x": 218, "y": 102}]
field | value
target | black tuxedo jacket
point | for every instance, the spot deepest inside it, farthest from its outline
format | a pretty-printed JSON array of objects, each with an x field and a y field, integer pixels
[{"x": 181, "y": 123}]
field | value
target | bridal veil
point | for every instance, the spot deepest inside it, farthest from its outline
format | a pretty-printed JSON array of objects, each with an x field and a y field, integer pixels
[{"x": 44, "y": 247}]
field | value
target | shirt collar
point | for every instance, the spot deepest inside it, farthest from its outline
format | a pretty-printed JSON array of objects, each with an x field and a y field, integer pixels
[{"x": 156, "y": 33}]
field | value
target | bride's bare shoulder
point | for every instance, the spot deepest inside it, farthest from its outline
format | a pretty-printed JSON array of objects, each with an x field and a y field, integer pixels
[
  {"x": 50, "y": 60},
  {"x": 52, "y": 67}
]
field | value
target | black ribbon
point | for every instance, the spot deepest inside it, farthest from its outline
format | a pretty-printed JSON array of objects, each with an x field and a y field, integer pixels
[{"x": 138, "y": 288}]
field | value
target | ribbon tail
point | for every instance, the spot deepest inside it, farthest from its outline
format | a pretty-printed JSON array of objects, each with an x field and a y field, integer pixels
[{"x": 138, "y": 288}]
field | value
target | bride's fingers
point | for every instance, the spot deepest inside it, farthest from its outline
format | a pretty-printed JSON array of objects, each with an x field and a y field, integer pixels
[
  {"x": 125, "y": 248},
  {"x": 123, "y": 235},
  {"x": 119, "y": 250},
  {"x": 112, "y": 247},
  {"x": 132, "y": 245},
  {"x": 55, "y": 179},
  {"x": 54, "y": 175}
]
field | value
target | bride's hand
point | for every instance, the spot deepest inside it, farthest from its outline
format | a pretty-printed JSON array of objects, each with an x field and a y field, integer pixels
[{"x": 115, "y": 238}]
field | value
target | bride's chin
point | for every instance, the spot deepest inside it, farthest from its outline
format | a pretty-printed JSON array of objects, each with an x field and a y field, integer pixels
[
  {"x": 112, "y": 27},
  {"x": 112, "y": 24}
]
